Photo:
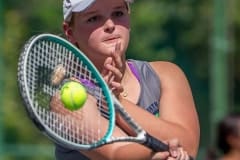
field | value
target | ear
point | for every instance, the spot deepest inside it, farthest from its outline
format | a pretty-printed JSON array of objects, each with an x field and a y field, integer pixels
[{"x": 68, "y": 31}]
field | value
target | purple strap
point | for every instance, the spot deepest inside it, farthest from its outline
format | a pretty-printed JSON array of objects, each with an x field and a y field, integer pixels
[
  {"x": 134, "y": 70},
  {"x": 89, "y": 84}
]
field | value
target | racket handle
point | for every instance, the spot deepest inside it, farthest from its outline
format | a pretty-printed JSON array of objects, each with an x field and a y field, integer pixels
[{"x": 156, "y": 145}]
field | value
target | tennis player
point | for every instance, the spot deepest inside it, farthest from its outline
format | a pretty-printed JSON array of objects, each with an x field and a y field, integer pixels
[{"x": 156, "y": 94}]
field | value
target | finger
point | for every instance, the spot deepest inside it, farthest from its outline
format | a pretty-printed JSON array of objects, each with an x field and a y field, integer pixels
[
  {"x": 111, "y": 78},
  {"x": 186, "y": 156},
  {"x": 160, "y": 156},
  {"x": 109, "y": 60},
  {"x": 117, "y": 86},
  {"x": 182, "y": 154},
  {"x": 107, "y": 77},
  {"x": 106, "y": 73},
  {"x": 117, "y": 73},
  {"x": 117, "y": 55},
  {"x": 173, "y": 147}
]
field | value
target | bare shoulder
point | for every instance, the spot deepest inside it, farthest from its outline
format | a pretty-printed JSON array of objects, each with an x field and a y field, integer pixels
[
  {"x": 165, "y": 68},
  {"x": 171, "y": 76}
]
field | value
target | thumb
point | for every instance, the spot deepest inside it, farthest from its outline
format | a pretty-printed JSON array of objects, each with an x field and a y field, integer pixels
[{"x": 173, "y": 147}]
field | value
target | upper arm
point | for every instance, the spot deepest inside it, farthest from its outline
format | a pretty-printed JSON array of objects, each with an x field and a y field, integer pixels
[
  {"x": 176, "y": 102},
  {"x": 176, "y": 96}
]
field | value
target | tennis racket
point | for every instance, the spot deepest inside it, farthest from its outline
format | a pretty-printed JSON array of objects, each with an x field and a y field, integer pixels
[{"x": 45, "y": 63}]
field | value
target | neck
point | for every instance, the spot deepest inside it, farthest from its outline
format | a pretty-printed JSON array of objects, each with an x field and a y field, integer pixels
[
  {"x": 126, "y": 75},
  {"x": 125, "y": 80}
]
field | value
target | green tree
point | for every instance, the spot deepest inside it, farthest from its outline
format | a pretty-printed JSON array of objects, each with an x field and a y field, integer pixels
[{"x": 174, "y": 30}]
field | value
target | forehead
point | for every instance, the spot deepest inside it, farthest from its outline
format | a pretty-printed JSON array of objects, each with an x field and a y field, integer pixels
[{"x": 100, "y": 6}]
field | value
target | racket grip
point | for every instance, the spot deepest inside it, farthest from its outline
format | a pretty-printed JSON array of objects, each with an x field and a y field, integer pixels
[{"x": 156, "y": 145}]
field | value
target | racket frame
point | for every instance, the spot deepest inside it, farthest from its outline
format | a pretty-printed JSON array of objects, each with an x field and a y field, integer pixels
[
  {"x": 114, "y": 105},
  {"x": 28, "y": 103}
]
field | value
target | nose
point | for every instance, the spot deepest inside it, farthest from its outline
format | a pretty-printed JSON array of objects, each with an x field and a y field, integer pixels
[{"x": 109, "y": 25}]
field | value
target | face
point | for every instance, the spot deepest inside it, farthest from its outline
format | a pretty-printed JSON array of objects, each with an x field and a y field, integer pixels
[{"x": 97, "y": 29}]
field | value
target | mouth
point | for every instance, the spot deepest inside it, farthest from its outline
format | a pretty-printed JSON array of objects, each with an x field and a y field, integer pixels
[{"x": 111, "y": 39}]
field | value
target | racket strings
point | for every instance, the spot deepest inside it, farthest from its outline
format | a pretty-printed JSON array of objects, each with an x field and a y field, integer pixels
[
  {"x": 45, "y": 57},
  {"x": 69, "y": 124}
]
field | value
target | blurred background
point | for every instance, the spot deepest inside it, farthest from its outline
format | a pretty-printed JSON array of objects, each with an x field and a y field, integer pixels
[{"x": 200, "y": 36}]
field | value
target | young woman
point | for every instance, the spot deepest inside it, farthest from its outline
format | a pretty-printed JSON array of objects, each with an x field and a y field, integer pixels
[{"x": 101, "y": 29}]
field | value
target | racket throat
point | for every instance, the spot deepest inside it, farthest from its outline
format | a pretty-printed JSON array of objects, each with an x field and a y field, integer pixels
[
  {"x": 125, "y": 126},
  {"x": 155, "y": 144}
]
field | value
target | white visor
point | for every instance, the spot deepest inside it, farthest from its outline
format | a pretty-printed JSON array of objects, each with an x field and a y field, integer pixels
[{"x": 70, "y": 6}]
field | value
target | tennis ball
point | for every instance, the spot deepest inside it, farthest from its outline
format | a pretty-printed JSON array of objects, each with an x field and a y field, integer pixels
[{"x": 73, "y": 95}]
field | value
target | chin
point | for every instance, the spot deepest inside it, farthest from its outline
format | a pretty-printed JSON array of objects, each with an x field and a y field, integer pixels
[{"x": 109, "y": 48}]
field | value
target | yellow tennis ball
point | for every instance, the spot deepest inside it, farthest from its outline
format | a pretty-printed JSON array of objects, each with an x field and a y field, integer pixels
[{"x": 73, "y": 95}]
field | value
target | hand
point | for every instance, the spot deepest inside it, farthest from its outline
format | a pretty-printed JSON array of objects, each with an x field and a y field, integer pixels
[
  {"x": 176, "y": 151},
  {"x": 113, "y": 70}
]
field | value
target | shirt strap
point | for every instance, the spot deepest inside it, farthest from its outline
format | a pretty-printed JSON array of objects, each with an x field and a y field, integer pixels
[{"x": 134, "y": 70}]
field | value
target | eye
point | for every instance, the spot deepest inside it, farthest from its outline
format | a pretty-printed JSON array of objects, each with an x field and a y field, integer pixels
[
  {"x": 118, "y": 13},
  {"x": 93, "y": 19}
]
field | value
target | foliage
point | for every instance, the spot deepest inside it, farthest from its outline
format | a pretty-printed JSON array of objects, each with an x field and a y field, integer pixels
[{"x": 174, "y": 30}]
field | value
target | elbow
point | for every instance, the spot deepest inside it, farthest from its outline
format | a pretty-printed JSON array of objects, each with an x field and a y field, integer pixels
[{"x": 192, "y": 139}]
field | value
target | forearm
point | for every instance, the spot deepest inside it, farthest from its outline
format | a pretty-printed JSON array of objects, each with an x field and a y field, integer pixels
[
  {"x": 122, "y": 150},
  {"x": 162, "y": 128},
  {"x": 133, "y": 152}
]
